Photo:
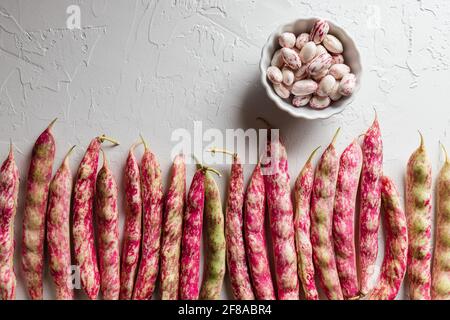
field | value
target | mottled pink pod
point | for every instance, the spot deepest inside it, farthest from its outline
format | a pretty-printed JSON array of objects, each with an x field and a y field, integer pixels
[
  {"x": 302, "y": 225},
  {"x": 58, "y": 230},
  {"x": 281, "y": 217},
  {"x": 322, "y": 201},
  {"x": 344, "y": 219},
  {"x": 152, "y": 200},
  {"x": 9, "y": 189},
  {"x": 418, "y": 214},
  {"x": 133, "y": 226},
  {"x": 236, "y": 259},
  {"x": 82, "y": 229},
  {"x": 33, "y": 237},
  {"x": 192, "y": 234},
  {"x": 173, "y": 230},
  {"x": 255, "y": 237},
  {"x": 370, "y": 190},
  {"x": 396, "y": 244},
  {"x": 440, "y": 286},
  {"x": 107, "y": 215}
]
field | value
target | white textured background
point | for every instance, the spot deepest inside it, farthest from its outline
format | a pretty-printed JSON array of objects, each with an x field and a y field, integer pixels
[{"x": 154, "y": 66}]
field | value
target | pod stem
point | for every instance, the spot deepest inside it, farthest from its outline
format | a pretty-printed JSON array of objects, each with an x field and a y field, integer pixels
[
  {"x": 312, "y": 154},
  {"x": 69, "y": 152},
  {"x": 214, "y": 150},
  {"x": 335, "y": 136},
  {"x": 103, "y": 138},
  {"x": 445, "y": 152},
  {"x": 212, "y": 170},
  {"x": 376, "y": 113},
  {"x": 105, "y": 161},
  {"x": 143, "y": 142},
  {"x": 50, "y": 126},
  {"x": 422, "y": 142},
  {"x": 134, "y": 145},
  {"x": 267, "y": 123}
]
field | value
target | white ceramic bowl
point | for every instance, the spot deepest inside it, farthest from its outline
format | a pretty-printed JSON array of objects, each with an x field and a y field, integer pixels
[{"x": 351, "y": 57}]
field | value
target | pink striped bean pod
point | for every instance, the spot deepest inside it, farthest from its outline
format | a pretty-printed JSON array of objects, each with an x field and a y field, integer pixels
[
  {"x": 9, "y": 189},
  {"x": 281, "y": 215},
  {"x": 192, "y": 234},
  {"x": 369, "y": 220},
  {"x": 82, "y": 229},
  {"x": 440, "y": 285},
  {"x": 58, "y": 230},
  {"x": 33, "y": 237},
  {"x": 344, "y": 219},
  {"x": 418, "y": 214},
  {"x": 173, "y": 230},
  {"x": 133, "y": 225},
  {"x": 302, "y": 225},
  {"x": 107, "y": 215},
  {"x": 152, "y": 199},
  {"x": 396, "y": 244},
  {"x": 255, "y": 237},
  {"x": 322, "y": 200}
]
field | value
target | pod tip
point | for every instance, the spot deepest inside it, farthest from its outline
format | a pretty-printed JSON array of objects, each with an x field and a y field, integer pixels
[
  {"x": 445, "y": 152},
  {"x": 312, "y": 154},
  {"x": 422, "y": 141},
  {"x": 335, "y": 136},
  {"x": 143, "y": 141},
  {"x": 50, "y": 126}
]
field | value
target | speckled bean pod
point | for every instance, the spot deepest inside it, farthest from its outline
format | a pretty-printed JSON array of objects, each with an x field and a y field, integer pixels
[
  {"x": 440, "y": 286},
  {"x": 82, "y": 229},
  {"x": 173, "y": 230},
  {"x": 369, "y": 220},
  {"x": 393, "y": 268},
  {"x": 322, "y": 200},
  {"x": 344, "y": 219},
  {"x": 281, "y": 216},
  {"x": 418, "y": 214},
  {"x": 107, "y": 215},
  {"x": 33, "y": 237},
  {"x": 215, "y": 242},
  {"x": 58, "y": 230},
  {"x": 152, "y": 200},
  {"x": 255, "y": 237},
  {"x": 9, "y": 189},
  {"x": 192, "y": 233},
  {"x": 302, "y": 225},
  {"x": 133, "y": 226}
]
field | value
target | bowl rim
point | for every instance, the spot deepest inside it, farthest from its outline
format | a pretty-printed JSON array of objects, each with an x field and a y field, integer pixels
[{"x": 306, "y": 113}]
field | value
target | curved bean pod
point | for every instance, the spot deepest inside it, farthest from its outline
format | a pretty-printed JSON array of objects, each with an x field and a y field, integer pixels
[
  {"x": 33, "y": 237},
  {"x": 236, "y": 259},
  {"x": 58, "y": 230},
  {"x": 255, "y": 237},
  {"x": 173, "y": 230},
  {"x": 133, "y": 224},
  {"x": 281, "y": 215},
  {"x": 396, "y": 244},
  {"x": 152, "y": 200},
  {"x": 9, "y": 189},
  {"x": 418, "y": 214},
  {"x": 82, "y": 229},
  {"x": 302, "y": 225},
  {"x": 215, "y": 243},
  {"x": 440, "y": 286},
  {"x": 344, "y": 219},
  {"x": 108, "y": 232},
  {"x": 369, "y": 220},
  {"x": 192, "y": 233},
  {"x": 322, "y": 200}
]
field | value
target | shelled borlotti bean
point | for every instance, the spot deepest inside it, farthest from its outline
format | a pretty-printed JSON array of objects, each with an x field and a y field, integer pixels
[{"x": 310, "y": 67}]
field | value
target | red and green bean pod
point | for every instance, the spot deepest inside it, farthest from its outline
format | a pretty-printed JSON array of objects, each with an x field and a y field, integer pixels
[
  {"x": 322, "y": 202},
  {"x": 393, "y": 268},
  {"x": 236, "y": 259},
  {"x": 255, "y": 237},
  {"x": 344, "y": 219},
  {"x": 133, "y": 225},
  {"x": 33, "y": 237},
  {"x": 152, "y": 200},
  {"x": 281, "y": 217},
  {"x": 58, "y": 230},
  {"x": 107, "y": 215},
  {"x": 302, "y": 225},
  {"x": 369, "y": 220},
  {"x": 418, "y": 214},
  {"x": 173, "y": 230},
  {"x": 9, "y": 189}
]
